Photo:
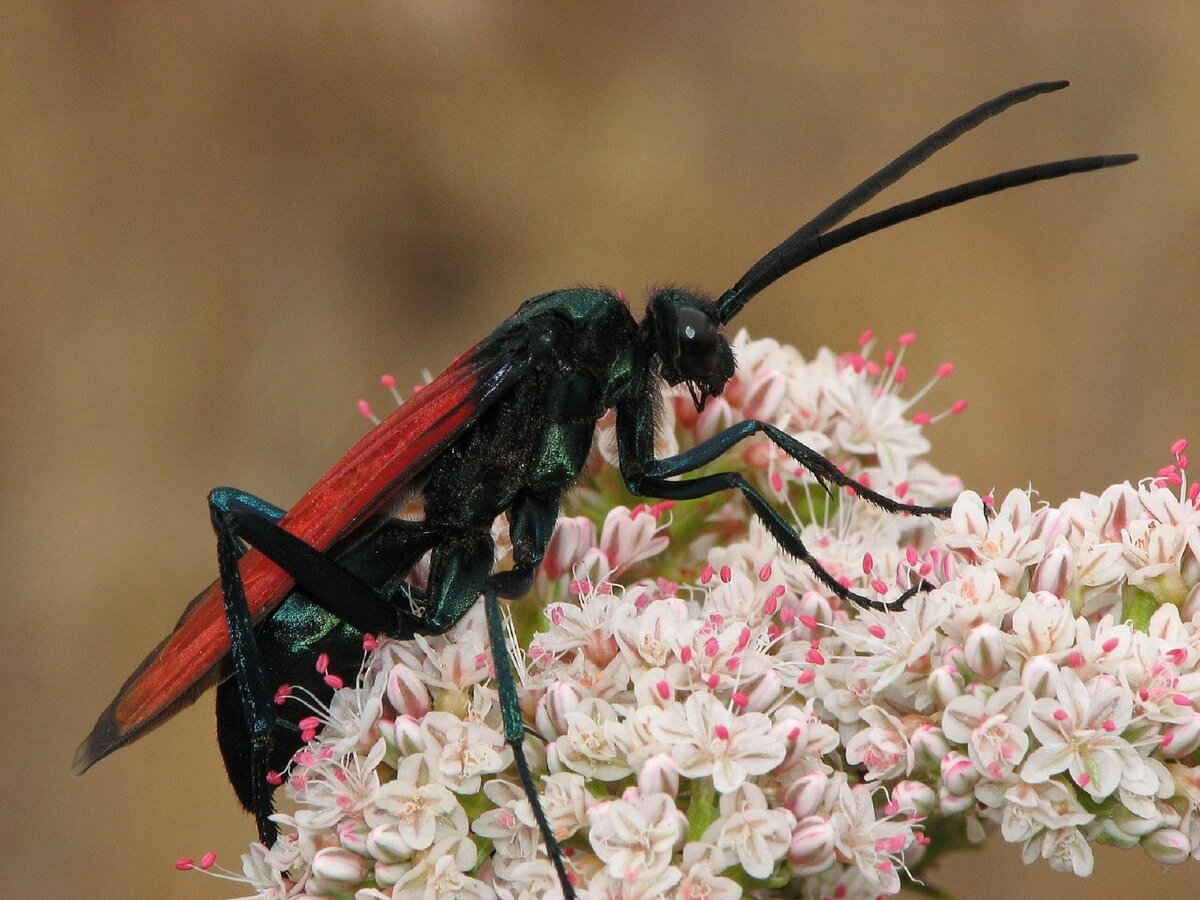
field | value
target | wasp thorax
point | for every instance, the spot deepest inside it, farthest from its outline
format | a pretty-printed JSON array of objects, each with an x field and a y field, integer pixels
[{"x": 689, "y": 343}]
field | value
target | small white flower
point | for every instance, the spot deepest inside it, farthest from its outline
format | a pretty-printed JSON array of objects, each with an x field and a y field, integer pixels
[
  {"x": 1080, "y": 733},
  {"x": 749, "y": 830},
  {"x": 706, "y": 739},
  {"x": 636, "y": 835},
  {"x": 994, "y": 731}
]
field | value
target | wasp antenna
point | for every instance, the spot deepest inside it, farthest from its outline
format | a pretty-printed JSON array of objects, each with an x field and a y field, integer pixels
[
  {"x": 782, "y": 259},
  {"x": 981, "y": 187}
]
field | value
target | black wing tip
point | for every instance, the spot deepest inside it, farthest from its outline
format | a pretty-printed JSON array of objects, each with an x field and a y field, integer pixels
[{"x": 95, "y": 747}]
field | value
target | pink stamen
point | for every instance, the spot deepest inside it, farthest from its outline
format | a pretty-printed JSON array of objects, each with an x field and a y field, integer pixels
[
  {"x": 879, "y": 585},
  {"x": 957, "y": 407},
  {"x": 1183, "y": 462},
  {"x": 712, "y": 647},
  {"x": 369, "y": 643},
  {"x": 726, "y": 574},
  {"x": 911, "y": 556},
  {"x": 867, "y": 563},
  {"x": 557, "y": 615},
  {"x": 364, "y": 410},
  {"x": 1179, "y": 446},
  {"x": 274, "y": 778},
  {"x": 1165, "y": 471},
  {"x": 889, "y": 359},
  {"x": 282, "y": 693},
  {"x": 787, "y": 615},
  {"x": 1109, "y": 725},
  {"x": 1110, "y": 645},
  {"x": 764, "y": 574},
  {"x": 1084, "y": 779},
  {"x": 706, "y": 575},
  {"x": 712, "y": 681},
  {"x": 1178, "y": 656},
  {"x": 185, "y": 864},
  {"x": 388, "y": 381},
  {"x": 685, "y": 654},
  {"x": 921, "y": 418},
  {"x": 322, "y": 665},
  {"x": 901, "y": 489},
  {"x": 664, "y": 506},
  {"x": 865, "y": 338},
  {"x": 1181, "y": 700},
  {"x": 815, "y": 657},
  {"x": 207, "y": 860},
  {"x": 743, "y": 639},
  {"x": 907, "y": 338},
  {"x": 807, "y": 677},
  {"x": 739, "y": 699},
  {"x": 1166, "y": 740},
  {"x": 809, "y": 622},
  {"x": 1074, "y": 659},
  {"x": 771, "y": 605},
  {"x": 777, "y": 482},
  {"x": 664, "y": 690},
  {"x": 877, "y": 631},
  {"x": 901, "y": 375},
  {"x": 334, "y": 682},
  {"x": 1060, "y": 715},
  {"x": 721, "y": 732},
  {"x": 945, "y": 370}
]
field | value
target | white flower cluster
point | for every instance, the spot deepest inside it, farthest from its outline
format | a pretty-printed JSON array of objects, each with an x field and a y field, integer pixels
[{"x": 706, "y": 720}]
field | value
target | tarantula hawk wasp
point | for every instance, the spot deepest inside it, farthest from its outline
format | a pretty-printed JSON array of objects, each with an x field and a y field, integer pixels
[{"x": 504, "y": 430}]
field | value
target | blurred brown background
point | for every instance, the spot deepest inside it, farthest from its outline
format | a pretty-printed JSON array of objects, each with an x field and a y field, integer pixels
[{"x": 220, "y": 222}]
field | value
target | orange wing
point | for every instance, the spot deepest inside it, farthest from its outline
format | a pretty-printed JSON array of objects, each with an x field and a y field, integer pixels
[{"x": 370, "y": 476}]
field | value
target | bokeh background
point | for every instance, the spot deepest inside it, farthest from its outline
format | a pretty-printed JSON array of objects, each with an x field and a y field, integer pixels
[{"x": 219, "y": 222}]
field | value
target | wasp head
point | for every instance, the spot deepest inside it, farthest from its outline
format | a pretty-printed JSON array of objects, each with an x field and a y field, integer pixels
[{"x": 686, "y": 337}]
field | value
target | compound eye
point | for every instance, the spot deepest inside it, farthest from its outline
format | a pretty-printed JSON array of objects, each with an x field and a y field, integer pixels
[{"x": 697, "y": 338}]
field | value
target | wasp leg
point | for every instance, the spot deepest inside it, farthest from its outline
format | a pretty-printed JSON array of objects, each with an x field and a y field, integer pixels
[
  {"x": 822, "y": 469},
  {"x": 239, "y": 519},
  {"x": 784, "y": 534}
]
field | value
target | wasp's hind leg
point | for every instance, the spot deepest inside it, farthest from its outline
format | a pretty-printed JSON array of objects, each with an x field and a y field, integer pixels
[{"x": 329, "y": 613}]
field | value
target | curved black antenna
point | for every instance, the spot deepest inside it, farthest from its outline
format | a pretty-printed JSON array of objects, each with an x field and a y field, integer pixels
[
  {"x": 894, "y": 215},
  {"x": 794, "y": 251}
]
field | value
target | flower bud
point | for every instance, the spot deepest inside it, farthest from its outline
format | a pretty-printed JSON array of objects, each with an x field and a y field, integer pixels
[
  {"x": 930, "y": 744},
  {"x": 352, "y": 834},
  {"x": 804, "y": 795},
  {"x": 811, "y": 847},
  {"x": 1181, "y": 738},
  {"x": 1133, "y": 824},
  {"x": 405, "y": 735},
  {"x": 945, "y": 684},
  {"x": 1054, "y": 572},
  {"x": 573, "y": 537},
  {"x": 952, "y": 804},
  {"x": 958, "y": 773},
  {"x": 1114, "y": 835},
  {"x": 765, "y": 693},
  {"x": 1040, "y": 676},
  {"x": 385, "y": 844},
  {"x": 1168, "y": 846},
  {"x": 984, "y": 650},
  {"x": 553, "y": 707},
  {"x": 337, "y": 869},
  {"x": 407, "y": 693},
  {"x": 914, "y": 798},
  {"x": 658, "y": 775}
]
